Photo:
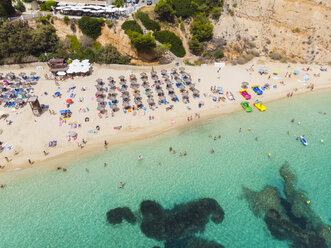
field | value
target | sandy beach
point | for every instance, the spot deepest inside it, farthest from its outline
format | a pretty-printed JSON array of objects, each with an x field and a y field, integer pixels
[{"x": 29, "y": 136}]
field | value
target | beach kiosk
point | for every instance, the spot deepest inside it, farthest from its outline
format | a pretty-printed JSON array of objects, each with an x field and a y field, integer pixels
[
  {"x": 35, "y": 105},
  {"x": 57, "y": 65}
]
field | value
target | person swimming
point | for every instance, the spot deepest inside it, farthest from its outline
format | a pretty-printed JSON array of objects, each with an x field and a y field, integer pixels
[
  {"x": 121, "y": 185},
  {"x": 212, "y": 151},
  {"x": 140, "y": 157},
  {"x": 170, "y": 149}
]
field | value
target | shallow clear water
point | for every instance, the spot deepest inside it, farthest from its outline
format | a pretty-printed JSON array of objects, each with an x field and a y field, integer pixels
[{"x": 43, "y": 208}]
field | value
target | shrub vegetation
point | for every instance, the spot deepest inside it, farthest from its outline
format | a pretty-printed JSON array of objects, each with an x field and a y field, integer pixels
[
  {"x": 25, "y": 41},
  {"x": 167, "y": 37},
  {"x": 148, "y": 22},
  {"x": 90, "y": 26},
  {"x": 131, "y": 26},
  {"x": 47, "y": 6}
]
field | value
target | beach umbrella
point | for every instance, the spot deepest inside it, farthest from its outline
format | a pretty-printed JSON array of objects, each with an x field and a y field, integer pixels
[
  {"x": 181, "y": 69},
  {"x": 69, "y": 101},
  {"x": 71, "y": 86},
  {"x": 261, "y": 70},
  {"x": 100, "y": 108},
  {"x": 121, "y": 77},
  {"x": 72, "y": 134},
  {"x": 110, "y": 79},
  {"x": 99, "y": 80},
  {"x": 195, "y": 91},
  {"x": 153, "y": 73},
  {"x": 173, "y": 70},
  {"x": 296, "y": 72},
  {"x": 143, "y": 74},
  {"x": 114, "y": 107},
  {"x": 32, "y": 73},
  {"x": 61, "y": 73},
  {"x": 155, "y": 77},
  {"x": 245, "y": 83},
  {"x": 132, "y": 76},
  {"x": 57, "y": 93},
  {"x": 122, "y": 90},
  {"x": 275, "y": 72},
  {"x": 62, "y": 112},
  {"x": 306, "y": 77}
]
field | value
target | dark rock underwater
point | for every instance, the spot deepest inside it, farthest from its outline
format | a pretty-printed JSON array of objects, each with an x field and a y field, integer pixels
[
  {"x": 290, "y": 218},
  {"x": 176, "y": 226}
]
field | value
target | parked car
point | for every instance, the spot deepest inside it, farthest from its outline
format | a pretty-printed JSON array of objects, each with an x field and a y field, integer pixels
[{"x": 149, "y": 2}]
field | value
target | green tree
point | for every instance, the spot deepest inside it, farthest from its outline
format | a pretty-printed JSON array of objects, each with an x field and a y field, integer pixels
[
  {"x": 109, "y": 55},
  {"x": 167, "y": 37},
  {"x": 201, "y": 28},
  {"x": 45, "y": 39},
  {"x": 183, "y": 8},
  {"x": 164, "y": 11},
  {"x": 50, "y": 4},
  {"x": 216, "y": 13},
  {"x": 131, "y": 25},
  {"x": 19, "y": 41},
  {"x": 196, "y": 46},
  {"x": 218, "y": 54},
  {"x": 20, "y": 6},
  {"x": 148, "y": 22},
  {"x": 90, "y": 26},
  {"x": 141, "y": 42},
  {"x": 66, "y": 20},
  {"x": 6, "y": 8},
  {"x": 119, "y": 3}
]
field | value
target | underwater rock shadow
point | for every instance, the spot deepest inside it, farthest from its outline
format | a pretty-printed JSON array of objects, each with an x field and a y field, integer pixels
[
  {"x": 176, "y": 226},
  {"x": 290, "y": 218}
]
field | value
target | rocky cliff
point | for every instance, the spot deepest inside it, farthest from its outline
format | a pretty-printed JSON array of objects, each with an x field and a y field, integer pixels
[{"x": 297, "y": 30}]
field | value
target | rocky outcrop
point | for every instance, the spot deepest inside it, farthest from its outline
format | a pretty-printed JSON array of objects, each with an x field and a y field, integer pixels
[{"x": 297, "y": 29}]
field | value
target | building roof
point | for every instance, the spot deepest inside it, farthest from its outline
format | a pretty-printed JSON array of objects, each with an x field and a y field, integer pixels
[{"x": 56, "y": 61}]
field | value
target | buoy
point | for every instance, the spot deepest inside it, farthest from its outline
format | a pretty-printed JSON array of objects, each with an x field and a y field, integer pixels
[
  {"x": 308, "y": 202},
  {"x": 249, "y": 129},
  {"x": 299, "y": 122},
  {"x": 269, "y": 155},
  {"x": 322, "y": 141}
]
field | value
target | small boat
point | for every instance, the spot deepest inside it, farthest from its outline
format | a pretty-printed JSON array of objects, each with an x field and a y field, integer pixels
[
  {"x": 303, "y": 140},
  {"x": 229, "y": 95}
]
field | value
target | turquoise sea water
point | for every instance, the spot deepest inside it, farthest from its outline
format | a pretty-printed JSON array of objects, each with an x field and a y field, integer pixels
[{"x": 46, "y": 208}]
